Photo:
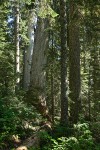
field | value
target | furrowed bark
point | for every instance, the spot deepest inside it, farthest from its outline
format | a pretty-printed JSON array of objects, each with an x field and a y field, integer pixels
[
  {"x": 63, "y": 36},
  {"x": 36, "y": 93},
  {"x": 74, "y": 65}
]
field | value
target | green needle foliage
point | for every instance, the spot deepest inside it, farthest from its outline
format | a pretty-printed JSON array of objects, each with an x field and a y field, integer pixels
[{"x": 18, "y": 118}]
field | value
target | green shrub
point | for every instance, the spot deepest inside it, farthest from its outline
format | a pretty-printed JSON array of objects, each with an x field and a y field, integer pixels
[
  {"x": 66, "y": 144},
  {"x": 81, "y": 140},
  {"x": 13, "y": 114}
]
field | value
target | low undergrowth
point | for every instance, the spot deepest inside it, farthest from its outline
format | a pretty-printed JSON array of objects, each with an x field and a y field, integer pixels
[{"x": 80, "y": 138}]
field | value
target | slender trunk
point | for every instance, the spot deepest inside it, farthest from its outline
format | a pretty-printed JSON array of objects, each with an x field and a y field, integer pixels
[
  {"x": 89, "y": 100},
  {"x": 74, "y": 63},
  {"x": 52, "y": 80},
  {"x": 52, "y": 96},
  {"x": 17, "y": 52},
  {"x": 63, "y": 36}
]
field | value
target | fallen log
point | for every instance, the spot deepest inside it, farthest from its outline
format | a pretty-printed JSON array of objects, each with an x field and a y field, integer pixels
[
  {"x": 22, "y": 148},
  {"x": 34, "y": 140}
]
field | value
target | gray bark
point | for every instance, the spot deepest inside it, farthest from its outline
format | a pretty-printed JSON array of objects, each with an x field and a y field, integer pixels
[
  {"x": 17, "y": 49},
  {"x": 39, "y": 55},
  {"x": 36, "y": 93},
  {"x": 29, "y": 50}
]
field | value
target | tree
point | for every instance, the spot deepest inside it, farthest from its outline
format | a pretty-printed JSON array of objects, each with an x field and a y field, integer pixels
[
  {"x": 74, "y": 62},
  {"x": 63, "y": 36},
  {"x": 36, "y": 93},
  {"x": 17, "y": 48},
  {"x": 90, "y": 60},
  {"x": 6, "y": 52},
  {"x": 29, "y": 49},
  {"x": 56, "y": 57}
]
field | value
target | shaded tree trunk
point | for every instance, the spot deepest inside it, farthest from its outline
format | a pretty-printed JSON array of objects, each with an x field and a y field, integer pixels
[
  {"x": 89, "y": 98},
  {"x": 63, "y": 36},
  {"x": 74, "y": 63},
  {"x": 52, "y": 96},
  {"x": 52, "y": 83}
]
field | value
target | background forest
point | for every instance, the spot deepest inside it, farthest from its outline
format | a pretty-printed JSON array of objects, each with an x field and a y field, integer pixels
[{"x": 49, "y": 75}]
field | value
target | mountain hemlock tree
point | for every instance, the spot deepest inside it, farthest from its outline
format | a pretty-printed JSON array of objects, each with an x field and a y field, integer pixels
[
  {"x": 90, "y": 78},
  {"x": 17, "y": 48},
  {"x": 6, "y": 52},
  {"x": 63, "y": 36},
  {"x": 29, "y": 49},
  {"x": 74, "y": 62}
]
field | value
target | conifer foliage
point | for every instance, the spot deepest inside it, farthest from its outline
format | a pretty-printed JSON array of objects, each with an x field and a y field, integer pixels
[{"x": 49, "y": 74}]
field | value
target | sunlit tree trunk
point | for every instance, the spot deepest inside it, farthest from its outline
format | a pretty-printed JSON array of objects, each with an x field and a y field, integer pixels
[
  {"x": 36, "y": 94},
  {"x": 39, "y": 54},
  {"x": 29, "y": 49},
  {"x": 17, "y": 49},
  {"x": 74, "y": 62}
]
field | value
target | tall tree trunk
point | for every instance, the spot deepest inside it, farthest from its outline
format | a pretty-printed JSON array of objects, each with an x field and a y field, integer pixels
[
  {"x": 52, "y": 81},
  {"x": 63, "y": 36},
  {"x": 39, "y": 54},
  {"x": 89, "y": 98},
  {"x": 29, "y": 50},
  {"x": 17, "y": 49},
  {"x": 52, "y": 96},
  {"x": 74, "y": 63},
  {"x": 36, "y": 92}
]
